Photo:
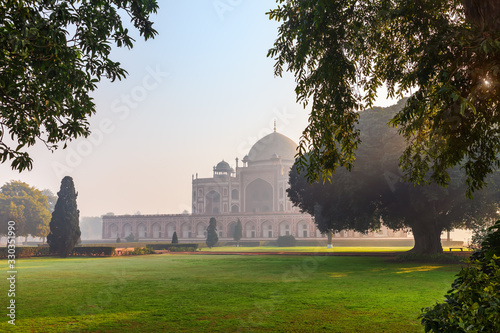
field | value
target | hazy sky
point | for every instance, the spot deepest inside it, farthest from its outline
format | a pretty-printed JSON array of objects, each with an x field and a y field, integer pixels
[{"x": 203, "y": 90}]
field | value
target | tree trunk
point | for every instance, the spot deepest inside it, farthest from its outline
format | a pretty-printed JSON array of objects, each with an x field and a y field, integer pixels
[
  {"x": 483, "y": 13},
  {"x": 427, "y": 238},
  {"x": 330, "y": 239}
]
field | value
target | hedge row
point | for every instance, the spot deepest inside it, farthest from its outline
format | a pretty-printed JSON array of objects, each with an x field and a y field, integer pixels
[
  {"x": 43, "y": 251},
  {"x": 174, "y": 247},
  {"x": 182, "y": 249},
  {"x": 25, "y": 251},
  {"x": 93, "y": 251}
]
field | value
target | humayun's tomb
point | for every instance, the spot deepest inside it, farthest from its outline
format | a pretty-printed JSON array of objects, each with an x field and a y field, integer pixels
[{"x": 254, "y": 192}]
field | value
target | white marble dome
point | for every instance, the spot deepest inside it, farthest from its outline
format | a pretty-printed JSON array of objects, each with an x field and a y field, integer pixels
[{"x": 274, "y": 144}]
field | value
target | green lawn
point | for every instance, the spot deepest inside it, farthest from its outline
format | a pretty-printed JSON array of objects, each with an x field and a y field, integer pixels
[
  {"x": 312, "y": 249},
  {"x": 225, "y": 293}
]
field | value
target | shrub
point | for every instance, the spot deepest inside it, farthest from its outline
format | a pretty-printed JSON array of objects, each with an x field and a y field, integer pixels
[
  {"x": 182, "y": 249},
  {"x": 131, "y": 238},
  {"x": 118, "y": 240},
  {"x": 286, "y": 241},
  {"x": 473, "y": 303},
  {"x": 142, "y": 250},
  {"x": 490, "y": 247}
]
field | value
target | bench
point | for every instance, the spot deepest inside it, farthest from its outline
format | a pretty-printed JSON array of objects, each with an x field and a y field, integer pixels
[{"x": 456, "y": 248}]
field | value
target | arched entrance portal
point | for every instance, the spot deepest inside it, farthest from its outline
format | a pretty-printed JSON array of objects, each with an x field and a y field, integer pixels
[
  {"x": 212, "y": 202},
  {"x": 302, "y": 229},
  {"x": 170, "y": 230},
  {"x": 259, "y": 197},
  {"x": 250, "y": 230},
  {"x": 285, "y": 228},
  {"x": 113, "y": 231},
  {"x": 230, "y": 230},
  {"x": 267, "y": 229},
  {"x": 201, "y": 230},
  {"x": 156, "y": 231},
  {"x": 142, "y": 230},
  {"x": 186, "y": 230},
  {"x": 127, "y": 230}
]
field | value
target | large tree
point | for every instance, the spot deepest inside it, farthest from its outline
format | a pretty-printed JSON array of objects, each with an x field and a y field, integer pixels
[
  {"x": 373, "y": 191},
  {"x": 447, "y": 52},
  {"x": 64, "y": 225},
  {"x": 53, "y": 55},
  {"x": 25, "y": 205}
]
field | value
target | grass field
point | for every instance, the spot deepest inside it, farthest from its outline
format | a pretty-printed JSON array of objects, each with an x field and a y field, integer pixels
[
  {"x": 237, "y": 293},
  {"x": 312, "y": 249}
]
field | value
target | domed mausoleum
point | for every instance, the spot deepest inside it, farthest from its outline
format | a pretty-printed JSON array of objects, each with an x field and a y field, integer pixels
[
  {"x": 253, "y": 192},
  {"x": 257, "y": 186}
]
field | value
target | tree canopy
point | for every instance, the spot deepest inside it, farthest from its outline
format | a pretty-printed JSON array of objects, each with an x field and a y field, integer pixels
[
  {"x": 53, "y": 55},
  {"x": 444, "y": 53},
  {"x": 373, "y": 191},
  {"x": 25, "y": 205},
  {"x": 52, "y": 199}
]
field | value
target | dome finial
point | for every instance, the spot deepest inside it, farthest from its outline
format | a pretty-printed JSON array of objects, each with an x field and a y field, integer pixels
[{"x": 274, "y": 125}]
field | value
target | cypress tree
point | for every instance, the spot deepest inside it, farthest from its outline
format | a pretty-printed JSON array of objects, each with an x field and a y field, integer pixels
[
  {"x": 175, "y": 240},
  {"x": 64, "y": 225},
  {"x": 238, "y": 232},
  {"x": 212, "y": 237}
]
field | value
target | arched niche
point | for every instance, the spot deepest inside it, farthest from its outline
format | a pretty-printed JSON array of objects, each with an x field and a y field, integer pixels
[
  {"x": 212, "y": 202},
  {"x": 259, "y": 197}
]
